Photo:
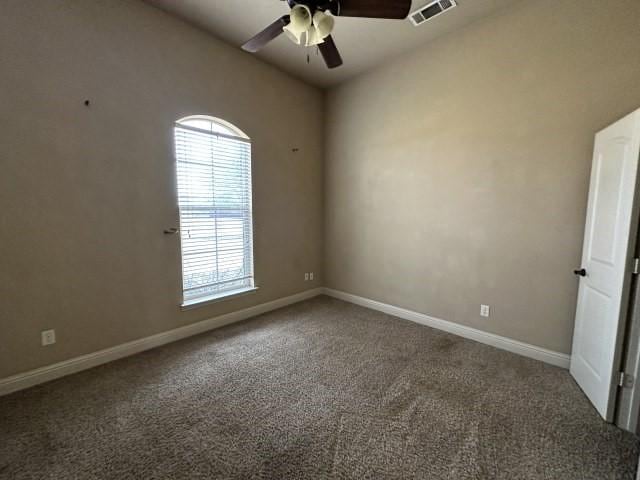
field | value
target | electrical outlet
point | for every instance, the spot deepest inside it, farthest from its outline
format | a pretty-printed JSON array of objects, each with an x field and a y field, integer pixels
[
  {"x": 311, "y": 276},
  {"x": 306, "y": 277},
  {"x": 485, "y": 310},
  {"x": 48, "y": 337}
]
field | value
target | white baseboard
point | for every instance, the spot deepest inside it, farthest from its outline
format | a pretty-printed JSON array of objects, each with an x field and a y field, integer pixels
[
  {"x": 84, "y": 362},
  {"x": 514, "y": 346}
]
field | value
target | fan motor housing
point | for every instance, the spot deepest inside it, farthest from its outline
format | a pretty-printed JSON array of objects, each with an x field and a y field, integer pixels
[{"x": 312, "y": 4}]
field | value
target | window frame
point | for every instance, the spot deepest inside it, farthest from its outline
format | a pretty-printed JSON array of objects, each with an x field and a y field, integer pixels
[{"x": 235, "y": 133}]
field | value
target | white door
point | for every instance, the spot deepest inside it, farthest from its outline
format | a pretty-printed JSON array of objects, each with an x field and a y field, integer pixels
[{"x": 606, "y": 263}]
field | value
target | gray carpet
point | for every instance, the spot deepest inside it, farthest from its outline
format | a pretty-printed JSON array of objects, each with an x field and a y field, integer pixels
[{"x": 322, "y": 389}]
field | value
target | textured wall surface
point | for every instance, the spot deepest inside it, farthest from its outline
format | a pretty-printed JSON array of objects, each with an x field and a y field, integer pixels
[
  {"x": 455, "y": 175},
  {"x": 87, "y": 192},
  {"x": 458, "y": 174}
]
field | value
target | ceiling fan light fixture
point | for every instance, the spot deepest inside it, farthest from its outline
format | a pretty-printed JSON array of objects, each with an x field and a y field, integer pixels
[
  {"x": 323, "y": 24},
  {"x": 301, "y": 19},
  {"x": 313, "y": 37},
  {"x": 294, "y": 36}
]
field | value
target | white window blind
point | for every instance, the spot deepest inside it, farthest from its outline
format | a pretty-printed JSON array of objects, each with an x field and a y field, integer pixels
[{"x": 214, "y": 198}]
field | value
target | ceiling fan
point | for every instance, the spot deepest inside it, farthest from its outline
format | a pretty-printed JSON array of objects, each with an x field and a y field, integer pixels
[{"x": 309, "y": 23}]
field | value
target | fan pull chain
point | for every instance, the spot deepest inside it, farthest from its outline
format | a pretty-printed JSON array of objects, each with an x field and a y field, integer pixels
[{"x": 317, "y": 50}]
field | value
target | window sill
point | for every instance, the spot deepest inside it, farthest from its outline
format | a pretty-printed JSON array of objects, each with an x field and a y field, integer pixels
[{"x": 204, "y": 301}]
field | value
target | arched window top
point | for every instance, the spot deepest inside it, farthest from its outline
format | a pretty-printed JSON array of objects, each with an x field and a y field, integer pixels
[{"x": 212, "y": 124}]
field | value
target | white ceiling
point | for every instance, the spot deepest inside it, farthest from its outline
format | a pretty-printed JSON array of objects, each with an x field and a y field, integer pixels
[{"x": 363, "y": 43}]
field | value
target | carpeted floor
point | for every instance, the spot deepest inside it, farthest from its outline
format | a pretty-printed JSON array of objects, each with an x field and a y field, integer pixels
[{"x": 322, "y": 389}]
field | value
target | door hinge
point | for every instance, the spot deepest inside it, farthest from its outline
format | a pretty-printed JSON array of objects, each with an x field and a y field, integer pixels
[
  {"x": 636, "y": 266},
  {"x": 625, "y": 380}
]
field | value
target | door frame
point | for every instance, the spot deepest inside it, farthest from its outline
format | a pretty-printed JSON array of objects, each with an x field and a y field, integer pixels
[{"x": 628, "y": 399}]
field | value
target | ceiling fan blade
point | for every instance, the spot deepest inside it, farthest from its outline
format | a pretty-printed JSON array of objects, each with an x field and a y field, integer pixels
[
  {"x": 266, "y": 35},
  {"x": 330, "y": 53},
  {"x": 392, "y": 9}
]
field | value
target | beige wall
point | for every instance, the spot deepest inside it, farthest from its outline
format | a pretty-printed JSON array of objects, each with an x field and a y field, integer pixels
[
  {"x": 87, "y": 192},
  {"x": 458, "y": 174}
]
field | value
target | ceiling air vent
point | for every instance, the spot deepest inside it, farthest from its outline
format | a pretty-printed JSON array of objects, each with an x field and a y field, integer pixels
[{"x": 431, "y": 10}]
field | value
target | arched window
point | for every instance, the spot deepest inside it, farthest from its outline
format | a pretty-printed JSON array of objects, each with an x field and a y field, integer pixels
[{"x": 213, "y": 161}]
